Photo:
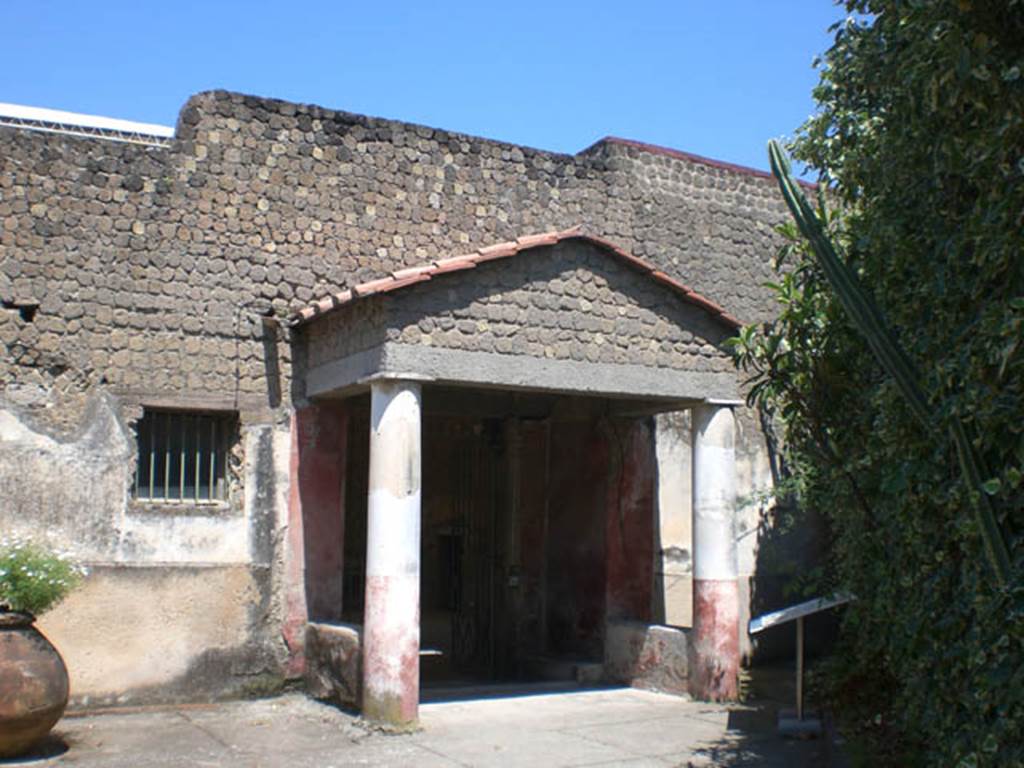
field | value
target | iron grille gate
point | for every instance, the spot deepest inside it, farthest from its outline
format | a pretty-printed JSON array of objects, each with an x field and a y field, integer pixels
[{"x": 476, "y": 479}]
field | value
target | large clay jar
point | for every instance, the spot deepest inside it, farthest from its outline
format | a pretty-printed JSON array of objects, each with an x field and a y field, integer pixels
[{"x": 33, "y": 685}]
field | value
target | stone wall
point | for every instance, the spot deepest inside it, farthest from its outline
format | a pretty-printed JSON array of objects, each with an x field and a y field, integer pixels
[
  {"x": 571, "y": 301},
  {"x": 145, "y": 276},
  {"x": 151, "y": 266}
]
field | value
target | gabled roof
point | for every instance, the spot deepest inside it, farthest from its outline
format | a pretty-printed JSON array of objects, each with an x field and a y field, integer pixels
[{"x": 413, "y": 275}]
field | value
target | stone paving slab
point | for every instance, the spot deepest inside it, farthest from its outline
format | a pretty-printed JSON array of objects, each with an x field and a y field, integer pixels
[{"x": 620, "y": 727}]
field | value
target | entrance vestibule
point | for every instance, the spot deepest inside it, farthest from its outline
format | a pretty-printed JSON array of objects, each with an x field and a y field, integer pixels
[{"x": 516, "y": 579}]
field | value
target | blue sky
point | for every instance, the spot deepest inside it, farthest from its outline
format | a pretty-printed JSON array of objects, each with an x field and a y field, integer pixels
[{"x": 718, "y": 78}]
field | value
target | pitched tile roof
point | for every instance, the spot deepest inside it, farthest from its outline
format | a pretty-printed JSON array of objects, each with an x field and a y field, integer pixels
[{"x": 412, "y": 275}]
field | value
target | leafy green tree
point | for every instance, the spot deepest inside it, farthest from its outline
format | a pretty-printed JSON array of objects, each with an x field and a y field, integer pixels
[{"x": 919, "y": 140}]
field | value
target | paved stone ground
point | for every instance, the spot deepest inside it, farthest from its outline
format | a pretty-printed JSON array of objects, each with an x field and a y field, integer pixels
[{"x": 621, "y": 727}]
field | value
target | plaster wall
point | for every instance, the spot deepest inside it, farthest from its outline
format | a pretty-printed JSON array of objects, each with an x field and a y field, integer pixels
[
  {"x": 179, "y": 603},
  {"x": 629, "y": 520},
  {"x": 320, "y": 456},
  {"x": 135, "y": 635},
  {"x": 673, "y": 554},
  {"x": 754, "y": 482},
  {"x": 576, "y": 563}
]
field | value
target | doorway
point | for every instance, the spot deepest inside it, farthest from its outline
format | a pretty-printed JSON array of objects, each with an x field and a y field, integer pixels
[{"x": 518, "y": 496}]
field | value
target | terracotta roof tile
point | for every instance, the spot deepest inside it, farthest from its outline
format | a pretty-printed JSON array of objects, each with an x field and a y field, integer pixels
[
  {"x": 401, "y": 274},
  {"x": 412, "y": 275},
  {"x": 394, "y": 285},
  {"x": 456, "y": 260},
  {"x": 498, "y": 251},
  {"x": 454, "y": 265},
  {"x": 365, "y": 289},
  {"x": 533, "y": 241}
]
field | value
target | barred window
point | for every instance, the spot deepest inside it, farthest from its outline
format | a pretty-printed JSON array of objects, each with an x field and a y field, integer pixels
[{"x": 183, "y": 455}]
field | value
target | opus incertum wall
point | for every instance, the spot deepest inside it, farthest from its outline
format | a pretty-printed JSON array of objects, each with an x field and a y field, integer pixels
[
  {"x": 565, "y": 317},
  {"x": 137, "y": 278}
]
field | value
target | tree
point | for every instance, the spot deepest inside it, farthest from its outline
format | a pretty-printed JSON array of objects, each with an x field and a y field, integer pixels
[{"x": 919, "y": 141}]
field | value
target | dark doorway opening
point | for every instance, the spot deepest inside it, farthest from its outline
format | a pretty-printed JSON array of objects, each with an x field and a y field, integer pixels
[{"x": 514, "y": 534}]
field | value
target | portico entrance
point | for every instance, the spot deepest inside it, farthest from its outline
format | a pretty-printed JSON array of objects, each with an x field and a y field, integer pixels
[{"x": 503, "y": 420}]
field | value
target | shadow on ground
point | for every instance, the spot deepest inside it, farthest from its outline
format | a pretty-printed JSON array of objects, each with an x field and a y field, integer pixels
[
  {"x": 752, "y": 738},
  {"x": 50, "y": 748}
]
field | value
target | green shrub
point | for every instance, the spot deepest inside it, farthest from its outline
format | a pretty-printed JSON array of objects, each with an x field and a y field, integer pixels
[
  {"x": 33, "y": 578},
  {"x": 918, "y": 139}
]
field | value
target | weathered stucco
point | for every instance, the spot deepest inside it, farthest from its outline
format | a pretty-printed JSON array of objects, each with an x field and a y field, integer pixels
[
  {"x": 178, "y": 601},
  {"x": 673, "y": 554},
  {"x": 135, "y": 635}
]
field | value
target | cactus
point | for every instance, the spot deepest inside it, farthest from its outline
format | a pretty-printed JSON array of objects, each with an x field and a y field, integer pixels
[{"x": 869, "y": 321}]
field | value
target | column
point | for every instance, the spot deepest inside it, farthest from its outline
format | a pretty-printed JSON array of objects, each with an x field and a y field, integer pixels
[
  {"x": 391, "y": 623},
  {"x": 714, "y": 641}
]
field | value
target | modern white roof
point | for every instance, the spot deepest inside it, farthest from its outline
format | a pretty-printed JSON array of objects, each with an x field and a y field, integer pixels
[{"x": 58, "y": 121}]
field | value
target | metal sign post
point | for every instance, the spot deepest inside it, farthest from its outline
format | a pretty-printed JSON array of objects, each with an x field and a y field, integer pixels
[{"x": 788, "y": 724}]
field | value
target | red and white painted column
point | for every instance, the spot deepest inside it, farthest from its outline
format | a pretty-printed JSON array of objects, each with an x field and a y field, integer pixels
[
  {"x": 715, "y": 639},
  {"x": 391, "y": 623}
]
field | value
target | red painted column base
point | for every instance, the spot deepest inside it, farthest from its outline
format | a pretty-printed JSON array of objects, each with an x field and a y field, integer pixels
[
  {"x": 715, "y": 640},
  {"x": 391, "y": 654}
]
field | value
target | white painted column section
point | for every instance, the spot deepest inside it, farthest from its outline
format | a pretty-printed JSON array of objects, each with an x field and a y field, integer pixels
[
  {"x": 391, "y": 623},
  {"x": 714, "y": 641}
]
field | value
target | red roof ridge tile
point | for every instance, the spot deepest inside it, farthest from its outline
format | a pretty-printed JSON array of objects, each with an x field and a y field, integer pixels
[
  {"x": 373, "y": 286},
  {"x": 411, "y": 275},
  {"x": 497, "y": 251},
  {"x": 657, "y": 149},
  {"x": 401, "y": 274}
]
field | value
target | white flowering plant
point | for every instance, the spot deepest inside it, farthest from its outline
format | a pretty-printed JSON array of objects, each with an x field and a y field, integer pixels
[{"x": 34, "y": 578}]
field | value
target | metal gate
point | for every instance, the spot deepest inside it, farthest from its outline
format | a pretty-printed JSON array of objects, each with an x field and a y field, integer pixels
[{"x": 476, "y": 479}]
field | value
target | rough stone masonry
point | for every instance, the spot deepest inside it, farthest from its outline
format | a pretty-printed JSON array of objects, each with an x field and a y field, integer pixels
[{"x": 135, "y": 277}]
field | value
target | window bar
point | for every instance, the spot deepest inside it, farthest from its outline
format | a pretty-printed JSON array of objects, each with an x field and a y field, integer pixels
[
  {"x": 181, "y": 463},
  {"x": 138, "y": 465},
  {"x": 197, "y": 422},
  {"x": 213, "y": 456},
  {"x": 152, "y": 455},
  {"x": 167, "y": 456}
]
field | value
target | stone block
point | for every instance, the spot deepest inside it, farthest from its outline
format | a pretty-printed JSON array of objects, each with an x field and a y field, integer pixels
[
  {"x": 646, "y": 656},
  {"x": 334, "y": 662}
]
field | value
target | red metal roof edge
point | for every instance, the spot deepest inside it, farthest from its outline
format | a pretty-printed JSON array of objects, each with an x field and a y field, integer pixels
[
  {"x": 412, "y": 275},
  {"x": 656, "y": 149}
]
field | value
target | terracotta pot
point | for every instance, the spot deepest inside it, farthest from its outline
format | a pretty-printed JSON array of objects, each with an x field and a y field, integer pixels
[{"x": 34, "y": 682}]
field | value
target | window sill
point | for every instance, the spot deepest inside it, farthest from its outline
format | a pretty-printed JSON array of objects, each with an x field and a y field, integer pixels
[{"x": 162, "y": 508}]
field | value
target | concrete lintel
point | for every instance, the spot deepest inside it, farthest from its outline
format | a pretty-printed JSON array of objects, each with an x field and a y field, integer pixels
[
  {"x": 625, "y": 409},
  {"x": 393, "y": 376},
  {"x": 346, "y": 373},
  {"x": 252, "y": 409},
  {"x": 487, "y": 369},
  {"x": 725, "y": 402}
]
